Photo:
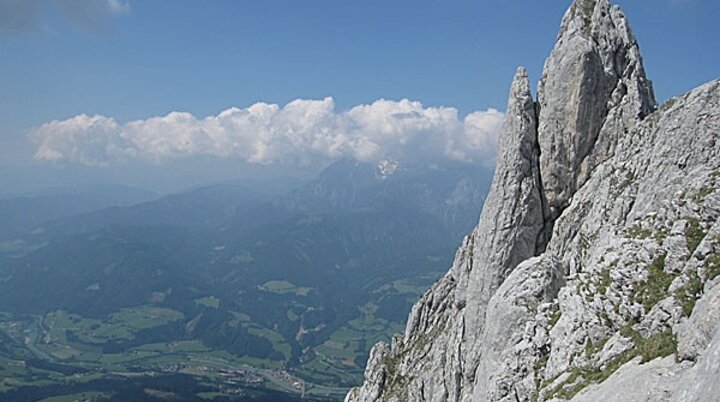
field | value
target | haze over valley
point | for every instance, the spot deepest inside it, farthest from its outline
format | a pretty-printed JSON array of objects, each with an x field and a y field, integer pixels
[{"x": 334, "y": 201}]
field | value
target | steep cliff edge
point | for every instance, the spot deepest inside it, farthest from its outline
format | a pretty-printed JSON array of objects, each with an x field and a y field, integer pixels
[{"x": 594, "y": 269}]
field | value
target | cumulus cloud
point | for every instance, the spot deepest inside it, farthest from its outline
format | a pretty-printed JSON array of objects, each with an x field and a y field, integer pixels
[
  {"x": 18, "y": 16},
  {"x": 300, "y": 133}
]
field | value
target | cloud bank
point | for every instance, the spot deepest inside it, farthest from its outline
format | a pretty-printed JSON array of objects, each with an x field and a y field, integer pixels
[
  {"x": 300, "y": 133},
  {"x": 18, "y": 16}
]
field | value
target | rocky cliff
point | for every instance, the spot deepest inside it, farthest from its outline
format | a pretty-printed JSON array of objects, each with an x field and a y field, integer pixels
[{"x": 594, "y": 272}]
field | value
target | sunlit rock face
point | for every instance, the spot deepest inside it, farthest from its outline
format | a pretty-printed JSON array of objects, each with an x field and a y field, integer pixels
[{"x": 593, "y": 273}]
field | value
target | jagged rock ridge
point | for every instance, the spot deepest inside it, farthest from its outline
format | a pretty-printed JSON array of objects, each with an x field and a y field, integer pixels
[{"x": 594, "y": 268}]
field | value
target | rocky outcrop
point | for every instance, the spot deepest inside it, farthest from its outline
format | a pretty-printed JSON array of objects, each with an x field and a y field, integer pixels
[
  {"x": 594, "y": 264},
  {"x": 593, "y": 87},
  {"x": 453, "y": 311},
  {"x": 700, "y": 383},
  {"x": 635, "y": 382}
]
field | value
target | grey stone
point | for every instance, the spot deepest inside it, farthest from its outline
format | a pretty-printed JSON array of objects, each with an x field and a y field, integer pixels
[
  {"x": 695, "y": 333},
  {"x": 700, "y": 383},
  {"x": 601, "y": 219},
  {"x": 593, "y": 86},
  {"x": 651, "y": 382}
]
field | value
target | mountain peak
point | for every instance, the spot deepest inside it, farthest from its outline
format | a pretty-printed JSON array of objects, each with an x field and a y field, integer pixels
[
  {"x": 579, "y": 16},
  {"x": 520, "y": 84},
  {"x": 593, "y": 86},
  {"x": 590, "y": 179}
]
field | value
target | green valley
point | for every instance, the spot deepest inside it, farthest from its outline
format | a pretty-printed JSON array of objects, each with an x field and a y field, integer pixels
[{"x": 226, "y": 292}]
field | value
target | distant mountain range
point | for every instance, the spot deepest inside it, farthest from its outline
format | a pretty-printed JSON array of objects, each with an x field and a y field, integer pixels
[
  {"x": 306, "y": 280},
  {"x": 19, "y": 213}
]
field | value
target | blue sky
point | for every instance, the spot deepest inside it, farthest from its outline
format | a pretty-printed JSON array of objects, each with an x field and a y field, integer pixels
[{"x": 139, "y": 59}]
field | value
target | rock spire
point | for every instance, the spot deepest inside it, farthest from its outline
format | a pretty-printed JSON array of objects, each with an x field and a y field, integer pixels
[{"x": 597, "y": 254}]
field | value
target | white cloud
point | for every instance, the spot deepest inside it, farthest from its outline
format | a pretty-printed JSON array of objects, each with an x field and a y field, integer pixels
[{"x": 300, "y": 133}]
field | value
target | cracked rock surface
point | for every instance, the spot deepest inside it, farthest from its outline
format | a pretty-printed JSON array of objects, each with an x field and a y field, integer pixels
[{"x": 594, "y": 271}]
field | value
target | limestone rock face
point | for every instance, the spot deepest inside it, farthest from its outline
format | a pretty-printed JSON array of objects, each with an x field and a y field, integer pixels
[
  {"x": 511, "y": 224},
  {"x": 593, "y": 87},
  {"x": 453, "y": 311},
  {"x": 695, "y": 334},
  {"x": 700, "y": 383},
  {"x": 594, "y": 269},
  {"x": 515, "y": 330},
  {"x": 650, "y": 382}
]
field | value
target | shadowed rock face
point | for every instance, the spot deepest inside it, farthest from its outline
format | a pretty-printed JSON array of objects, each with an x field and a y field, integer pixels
[{"x": 598, "y": 236}]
